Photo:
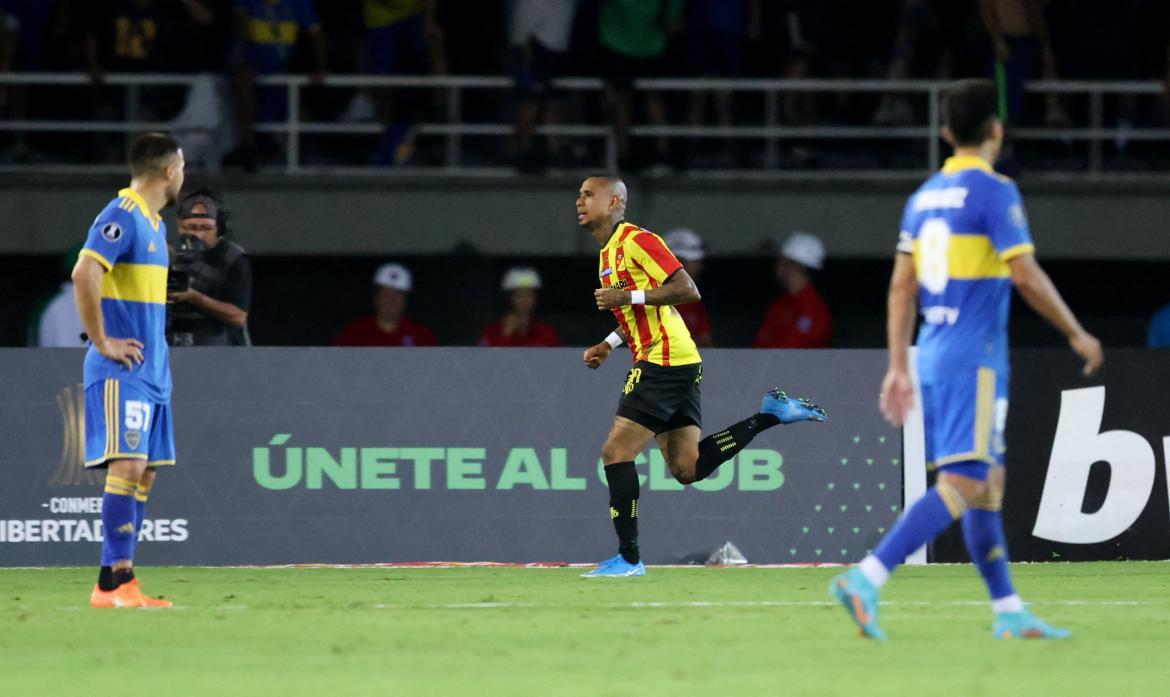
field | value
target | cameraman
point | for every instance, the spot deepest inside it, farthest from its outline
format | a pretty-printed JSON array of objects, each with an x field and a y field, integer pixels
[{"x": 209, "y": 289}]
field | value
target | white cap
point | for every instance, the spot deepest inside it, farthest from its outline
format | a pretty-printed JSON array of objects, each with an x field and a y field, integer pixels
[
  {"x": 686, "y": 244},
  {"x": 393, "y": 276},
  {"x": 521, "y": 277},
  {"x": 804, "y": 248}
]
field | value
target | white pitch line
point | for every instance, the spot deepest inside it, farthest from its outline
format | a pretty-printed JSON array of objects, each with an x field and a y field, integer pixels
[
  {"x": 655, "y": 604},
  {"x": 743, "y": 603}
]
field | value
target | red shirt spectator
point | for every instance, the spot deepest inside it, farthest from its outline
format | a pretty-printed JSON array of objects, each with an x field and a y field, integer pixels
[
  {"x": 796, "y": 320},
  {"x": 519, "y": 325},
  {"x": 697, "y": 320},
  {"x": 537, "y": 334},
  {"x": 799, "y": 318},
  {"x": 689, "y": 248},
  {"x": 389, "y": 325},
  {"x": 368, "y": 332}
]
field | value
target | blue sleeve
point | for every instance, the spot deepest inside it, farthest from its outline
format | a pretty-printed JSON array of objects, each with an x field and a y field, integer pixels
[
  {"x": 1160, "y": 329},
  {"x": 110, "y": 237},
  {"x": 307, "y": 14},
  {"x": 906, "y": 231},
  {"x": 1007, "y": 224}
]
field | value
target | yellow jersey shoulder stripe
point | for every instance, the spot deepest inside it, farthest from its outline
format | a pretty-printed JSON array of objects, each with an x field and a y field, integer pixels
[
  {"x": 1013, "y": 252},
  {"x": 135, "y": 199},
  {"x": 96, "y": 256}
]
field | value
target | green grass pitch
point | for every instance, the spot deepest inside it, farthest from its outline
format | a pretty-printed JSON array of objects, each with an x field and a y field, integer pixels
[{"x": 514, "y": 631}]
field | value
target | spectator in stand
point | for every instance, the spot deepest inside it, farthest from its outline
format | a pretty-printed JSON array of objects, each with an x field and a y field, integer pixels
[
  {"x": 519, "y": 326},
  {"x": 540, "y": 32},
  {"x": 55, "y": 322},
  {"x": 918, "y": 52},
  {"x": 799, "y": 318},
  {"x": 689, "y": 248},
  {"x": 716, "y": 31},
  {"x": 1022, "y": 52},
  {"x": 136, "y": 36},
  {"x": 403, "y": 37},
  {"x": 633, "y": 36},
  {"x": 267, "y": 31},
  {"x": 1159, "y": 336},
  {"x": 389, "y": 325}
]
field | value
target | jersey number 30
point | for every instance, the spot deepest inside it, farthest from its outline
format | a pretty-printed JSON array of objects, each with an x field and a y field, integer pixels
[{"x": 934, "y": 242}]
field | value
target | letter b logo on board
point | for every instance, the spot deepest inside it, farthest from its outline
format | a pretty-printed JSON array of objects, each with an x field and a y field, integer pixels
[{"x": 1079, "y": 443}]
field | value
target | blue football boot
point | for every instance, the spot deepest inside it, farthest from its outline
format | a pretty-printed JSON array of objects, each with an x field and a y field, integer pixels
[
  {"x": 789, "y": 411},
  {"x": 1024, "y": 625},
  {"x": 853, "y": 590},
  {"x": 616, "y": 566}
]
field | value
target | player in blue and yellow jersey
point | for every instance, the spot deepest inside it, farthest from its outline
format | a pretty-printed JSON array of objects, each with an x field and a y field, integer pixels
[
  {"x": 964, "y": 243},
  {"x": 641, "y": 282},
  {"x": 121, "y": 284}
]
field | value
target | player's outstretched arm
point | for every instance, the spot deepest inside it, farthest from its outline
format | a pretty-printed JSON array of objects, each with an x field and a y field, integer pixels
[
  {"x": 679, "y": 289},
  {"x": 1041, "y": 295},
  {"x": 87, "y": 288},
  {"x": 897, "y": 396}
]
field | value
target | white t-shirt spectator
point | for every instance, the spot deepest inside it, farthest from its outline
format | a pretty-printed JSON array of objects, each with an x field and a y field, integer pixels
[
  {"x": 550, "y": 22},
  {"x": 59, "y": 324}
]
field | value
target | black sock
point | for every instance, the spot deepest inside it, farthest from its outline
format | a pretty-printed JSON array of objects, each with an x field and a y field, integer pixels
[
  {"x": 623, "y": 507},
  {"x": 123, "y": 576},
  {"x": 720, "y": 447},
  {"x": 106, "y": 578}
]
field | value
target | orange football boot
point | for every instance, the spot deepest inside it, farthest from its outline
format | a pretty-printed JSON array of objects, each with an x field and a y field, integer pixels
[
  {"x": 130, "y": 595},
  {"x": 101, "y": 598},
  {"x": 126, "y": 595}
]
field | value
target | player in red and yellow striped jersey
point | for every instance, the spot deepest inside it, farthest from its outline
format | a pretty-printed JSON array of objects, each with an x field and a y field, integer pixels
[{"x": 641, "y": 282}]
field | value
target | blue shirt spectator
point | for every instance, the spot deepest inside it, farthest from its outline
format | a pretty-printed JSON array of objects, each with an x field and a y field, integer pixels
[
  {"x": 269, "y": 30},
  {"x": 1160, "y": 328}
]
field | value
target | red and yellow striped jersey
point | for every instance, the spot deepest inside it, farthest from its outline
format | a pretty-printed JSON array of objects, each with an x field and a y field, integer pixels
[{"x": 637, "y": 259}]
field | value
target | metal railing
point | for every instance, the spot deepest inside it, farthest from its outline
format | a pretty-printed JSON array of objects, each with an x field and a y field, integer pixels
[{"x": 453, "y": 130}]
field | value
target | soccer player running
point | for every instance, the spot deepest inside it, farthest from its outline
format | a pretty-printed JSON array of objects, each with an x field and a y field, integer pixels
[
  {"x": 121, "y": 285},
  {"x": 964, "y": 242},
  {"x": 641, "y": 281}
]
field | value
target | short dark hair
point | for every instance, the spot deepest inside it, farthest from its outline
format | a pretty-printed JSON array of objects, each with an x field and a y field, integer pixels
[
  {"x": 149, "y": 153},
  {"x": 969, "y": 108}
]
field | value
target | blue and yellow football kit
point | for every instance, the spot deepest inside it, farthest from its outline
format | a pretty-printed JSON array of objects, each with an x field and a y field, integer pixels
[
  {"x": 127, "y": 410},
  {"x": 962, "y": 227}
]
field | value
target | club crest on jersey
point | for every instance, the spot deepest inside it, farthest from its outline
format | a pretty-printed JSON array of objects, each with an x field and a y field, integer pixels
[
  {"x": 111, "y": 232},
  {"x": 133, "y": 438}
]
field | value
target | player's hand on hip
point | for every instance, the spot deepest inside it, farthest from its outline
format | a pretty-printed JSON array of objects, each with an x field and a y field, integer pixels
[
  {"x": 897, "y": 396},
  {"x": 609, "y": 298},
  {"x": 596, "y": 354},
  {"x": 128, "y": 352},
  {"x": 1089, "y": 348}
]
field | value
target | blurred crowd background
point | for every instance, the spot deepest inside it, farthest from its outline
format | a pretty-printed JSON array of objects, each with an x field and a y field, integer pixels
[
  {"x": 792, "y": 290},
  {"x": 535, "y": 41}
]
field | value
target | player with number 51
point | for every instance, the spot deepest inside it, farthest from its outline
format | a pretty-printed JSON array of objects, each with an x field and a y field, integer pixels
[{"x": 121, "y": 285}]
